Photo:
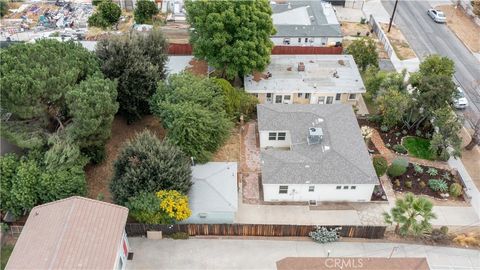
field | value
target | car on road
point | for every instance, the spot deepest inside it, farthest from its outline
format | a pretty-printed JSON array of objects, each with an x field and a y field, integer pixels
[
  {"x": 460, "y": 101},
  {"x": 437, "y": 15}
]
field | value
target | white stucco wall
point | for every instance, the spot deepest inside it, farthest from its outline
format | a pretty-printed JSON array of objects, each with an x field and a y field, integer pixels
[
  {"x": 316, "y": 41},
  {"x": 265, "y": 142},
  {"x": 322, "y": 192}
]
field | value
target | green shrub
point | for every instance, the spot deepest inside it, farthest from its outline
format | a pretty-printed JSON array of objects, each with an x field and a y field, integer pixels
[
  {"x": 398, "y": 167},
  {"x": 418, "y": 168},
  {"x": 179, "y": 236},
  {"x": 237, "y": 101},
  {"x": 422, "y": 184},
  {"x": 446, "y": 176},
  {"x": 380, "y": 164},
  {"x": 439, "y": 235},
  {"x": 432, "y": 171},
  {"x": 456, "y": 189},
  {"x": 397, "y": 134},
  {"x": 376, "y": 118},
  {"x": 400, "y": 149},
  {"x": 384, "y": 128},
  {"x": 397, "y": 183},
  {"x": 408, "y": 184},
  {"x": 404, "y": 132},
  {"x": 438, "y": 185},
  {"x": 418, "y": 133},
  {"x": 107, "y": 14},
  {"x": 324, "y": 235},
  {"x": 145, "y": 208},
  {"x": 145, "y": 11}
]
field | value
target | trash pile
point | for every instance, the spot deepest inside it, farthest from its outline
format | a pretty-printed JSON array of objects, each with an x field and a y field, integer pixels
[{"x": 49, "y": 16}]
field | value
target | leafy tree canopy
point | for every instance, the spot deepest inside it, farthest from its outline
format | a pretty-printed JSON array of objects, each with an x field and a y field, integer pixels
[
  {"x": 437, "y": 65},
  {"x": 193, "y": 110},
  {"x": 27, "y": 182},
  {"x": 107, "y": 14},
  {"x": 434, "y": 92},
  {"x": 55, "y": 88},
  {"x": 147, "y": 164},
  {"x": 237, "y": 101},
  {"x": 364, "y": 52},
  {"x": 232, "y": 36},
  {"x": 393, "y": 105},
  {"x": 137, "y": 61},
  {"x": 144, "y": 11}
]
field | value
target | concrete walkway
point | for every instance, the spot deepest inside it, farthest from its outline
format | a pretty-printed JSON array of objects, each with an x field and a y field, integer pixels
[{"x": 263, "y": 254}]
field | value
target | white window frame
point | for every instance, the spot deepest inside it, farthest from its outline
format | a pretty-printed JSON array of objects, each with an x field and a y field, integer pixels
[
  {"x": 353, "y": 187},
  {"x": 311, "y": 189},
  {"x": 282, "y": 190},
  {"x": 350, "y": 96},
  {"x": 338, "y": 96},
  {"x": 345, "y": 187},
  {"x": 281, "y": 137},
  {"x": 270, "y": 136},
  {"x": 331, "y": 100},
  {"x": 300, "y": 95},
  {"x": 307, "y": 95},
  {"x": 338, "y": 187}
]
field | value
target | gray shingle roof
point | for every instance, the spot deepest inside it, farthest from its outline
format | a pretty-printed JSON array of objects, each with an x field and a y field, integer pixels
[
  {"x": 342, "y": 157},
  {"x": 319, "y": 24}
]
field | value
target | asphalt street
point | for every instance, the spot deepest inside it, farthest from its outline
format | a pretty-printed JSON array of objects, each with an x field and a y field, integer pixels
[{"x": 427, "y": 37}]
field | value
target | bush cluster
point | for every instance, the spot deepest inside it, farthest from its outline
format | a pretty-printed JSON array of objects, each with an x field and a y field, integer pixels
[
  {"x": 398, "y": 167},
  {"x": 455, "y": 189},
  {"x": 400, "y": 149},
  {"x": 323, "y": 235},
  {"x": 107, "y": 14},
  {"x": 438, "y": 185},
  {"x": 380, "y": 164}
]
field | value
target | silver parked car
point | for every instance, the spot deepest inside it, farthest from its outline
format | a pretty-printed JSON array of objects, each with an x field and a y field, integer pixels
[
  {"x": 437, "y": 15},
  {"x": 460, "y": 101}
]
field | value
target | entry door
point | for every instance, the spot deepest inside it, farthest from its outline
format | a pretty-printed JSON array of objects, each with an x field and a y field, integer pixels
[
  {"x": 278, "y": 99},
  {"x": 329, "y": 100}
]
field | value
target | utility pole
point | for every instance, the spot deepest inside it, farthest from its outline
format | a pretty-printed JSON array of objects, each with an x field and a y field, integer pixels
[{"x": 393, "y": 14}]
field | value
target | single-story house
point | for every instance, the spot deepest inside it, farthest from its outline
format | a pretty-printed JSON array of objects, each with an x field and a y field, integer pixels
[
  {"x": 307, "y": 79},
  {"x": 313, "y": 153},
  {"x": 305, "y": 23},
  {"x": 73, "y": 233},
  {"x": 213, "y": 197}
]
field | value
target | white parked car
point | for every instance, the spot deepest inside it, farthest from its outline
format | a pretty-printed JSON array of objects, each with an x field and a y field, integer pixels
[
  {"x": 437, "y": 15},
  {"x": 460, "y": 101}
]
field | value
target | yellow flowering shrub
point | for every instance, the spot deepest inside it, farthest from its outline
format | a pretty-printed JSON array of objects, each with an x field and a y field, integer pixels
[{"x": 174, "y": 204}]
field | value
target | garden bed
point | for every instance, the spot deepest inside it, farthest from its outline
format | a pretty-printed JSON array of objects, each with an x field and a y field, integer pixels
[
  {"x": 417, "y": 179},
  {"x": 378, "y": 194}
]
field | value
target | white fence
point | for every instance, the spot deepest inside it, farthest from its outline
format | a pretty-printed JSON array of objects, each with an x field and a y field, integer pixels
[{"x": 381, "y": 36}]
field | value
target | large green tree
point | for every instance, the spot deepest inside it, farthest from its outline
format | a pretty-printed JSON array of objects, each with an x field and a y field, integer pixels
[
  {"x": 146, "y": 164},
  {"x": 411, "y": 215},
  {"x": 144, "y": 11},
  {"x": 52, "y": 88},
  {"x": 28, "y": 181},
  {"x": 193, "y": 110},
  {"x": 364, "y": 52},
  {"x": 447, "y": 129},
  {"x": 393, "y": 105},
  {"x": 232, "y": 36},
  {"x": 107, "y": 14},
  {"x": 137, "y": 61}
]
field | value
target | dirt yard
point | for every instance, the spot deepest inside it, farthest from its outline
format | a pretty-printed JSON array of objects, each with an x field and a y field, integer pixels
[
  {"x": 230, "y": 151},
  {"x": 399, "y": 42},
  {"x": 98, "y": 176},
  {"x": 463, "y": 26},
  {"x": 350, "y": 31}
]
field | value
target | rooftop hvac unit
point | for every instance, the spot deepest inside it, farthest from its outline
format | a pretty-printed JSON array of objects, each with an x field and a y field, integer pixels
[{"x": 315, "y": 135}]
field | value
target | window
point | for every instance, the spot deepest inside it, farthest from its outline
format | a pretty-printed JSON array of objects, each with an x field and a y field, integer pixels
[
  {"x": 281, "y": 136},
  {"x": 272, "y": 136},
  {"x": 278, "y": 99},
  {"x": 282, "y": 189},
  {"x": 339, "y": 187},
  {"x": 286, "y": 97},
  {"x": 352, "y": 96},
  {"x": 353, "y": 187},
  {"x": 300, "y": 95},
  {"x": 345, "y": 187},
  {"x": 338, "y": 96},
  {"x": 329, "y": 100},
  {"x": 321, "y": 100},
  {"x": 311, "y": 188},
  {"x": 299, "y": 40},
  {"x": 307, "y": 95},
  {"x": 310, "y": 40},
  {"x": 306, "y": 40},
  {"x": 286, "y": 41},
  {"x": 269, "y": 95}
]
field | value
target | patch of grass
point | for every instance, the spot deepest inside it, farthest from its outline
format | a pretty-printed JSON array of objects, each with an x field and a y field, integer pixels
[
  {"x": 371, "y": 107},
  {"x": 418, "y": 147},
  {"x": 5, "y": 254}
]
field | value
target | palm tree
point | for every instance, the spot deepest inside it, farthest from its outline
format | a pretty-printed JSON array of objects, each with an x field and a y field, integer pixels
[{"x": 411, "y": 215}]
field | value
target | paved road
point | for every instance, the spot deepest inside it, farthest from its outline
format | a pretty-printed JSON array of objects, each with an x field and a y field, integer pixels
[
  {"x": 263, "y": 254},
  {"x": 427, "y": 37}
]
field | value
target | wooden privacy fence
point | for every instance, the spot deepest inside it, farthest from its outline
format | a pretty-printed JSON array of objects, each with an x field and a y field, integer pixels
[
  {"x": 186, "y": 49},
  {"x": 139, "y": 229}
]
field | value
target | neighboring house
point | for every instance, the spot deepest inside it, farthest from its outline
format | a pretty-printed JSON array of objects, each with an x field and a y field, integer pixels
[
  {"x": 73, "y": 233},
  {"x": 179, "y": 63},
  {"x": 307, "y": 79},
  {"x": 305, "y": 23},
  {"x": 213, "y": 198},
  {"x": 313, "y": 153}
]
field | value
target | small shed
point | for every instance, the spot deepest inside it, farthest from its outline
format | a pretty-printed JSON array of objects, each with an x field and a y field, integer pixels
[
  {"x": 214, "y": 194},
  {"x": 73, "y": 233}
]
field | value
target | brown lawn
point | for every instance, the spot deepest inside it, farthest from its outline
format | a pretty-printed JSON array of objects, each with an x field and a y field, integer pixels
[
  {"x": 463, "y": 26},
  {"x": 399, "y": 42},
  {"x": 99, "y": 175}
]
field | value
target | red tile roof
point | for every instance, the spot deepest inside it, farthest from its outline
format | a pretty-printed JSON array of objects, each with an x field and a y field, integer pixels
[{"x": 73, "y": 233}]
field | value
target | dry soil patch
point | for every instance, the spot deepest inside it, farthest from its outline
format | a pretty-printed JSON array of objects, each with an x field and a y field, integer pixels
[
  {"x": 399, "y": 42},
  {"x": 463, "y": 26}
]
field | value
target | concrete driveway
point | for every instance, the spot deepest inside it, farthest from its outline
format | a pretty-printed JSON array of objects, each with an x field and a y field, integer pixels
[{"x": 263, "y": 254}]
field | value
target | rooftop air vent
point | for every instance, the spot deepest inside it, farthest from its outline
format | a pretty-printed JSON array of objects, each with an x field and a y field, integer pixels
[
  {"x": 315, "y": 135},
  {"x": 301, "y": 66}
]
